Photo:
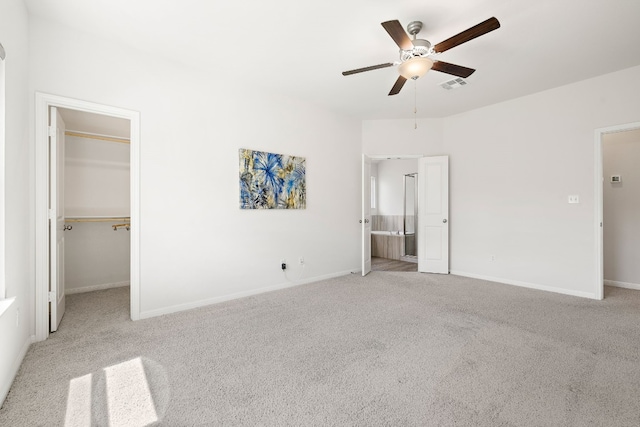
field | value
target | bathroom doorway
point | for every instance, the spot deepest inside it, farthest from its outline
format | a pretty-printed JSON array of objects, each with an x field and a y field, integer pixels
[
  {"x": 383, "y": 232},
  {"x": 393, "y": 214}
]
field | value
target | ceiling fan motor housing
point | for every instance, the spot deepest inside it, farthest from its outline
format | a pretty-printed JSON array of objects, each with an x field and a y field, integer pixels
[{"x": 421, "y": 48}]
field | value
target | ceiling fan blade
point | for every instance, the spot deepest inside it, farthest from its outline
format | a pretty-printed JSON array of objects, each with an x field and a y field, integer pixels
[
  {"x": 453, "y": 69},
  {"x": 397, "y": 86},
  {"x": 397, "y": 33},
  {"x": 470, "y": 34},
  {"x": 372, "y": 67}
]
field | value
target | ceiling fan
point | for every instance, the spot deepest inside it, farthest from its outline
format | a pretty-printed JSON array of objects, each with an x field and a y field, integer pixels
[{"x": 415, "y": 55}]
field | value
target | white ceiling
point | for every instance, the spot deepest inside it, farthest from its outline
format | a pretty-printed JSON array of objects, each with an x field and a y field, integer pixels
[{"x": 300, "y": 48}]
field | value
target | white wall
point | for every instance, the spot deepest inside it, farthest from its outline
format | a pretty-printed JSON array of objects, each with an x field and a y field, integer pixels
[
  {"x": 512, "y": 166},
  {"x": 96, "y": 184},
  {"x": 621, "y": 156},
  {"x": 96, "y": 178},
  {"x": 391, "y": 184},
  {"x": 96, "y": 257},
  {"x": 18, "y": 189},
  {"x": 391, "y": 137},
  {"x": 197, "y": 246}
]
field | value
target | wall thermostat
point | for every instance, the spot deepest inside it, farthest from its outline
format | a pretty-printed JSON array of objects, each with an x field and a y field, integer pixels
[{"x": 616, "y": 178}]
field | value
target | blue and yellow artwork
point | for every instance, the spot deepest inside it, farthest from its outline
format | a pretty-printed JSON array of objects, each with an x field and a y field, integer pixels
[{"x": 272, "y": 181}]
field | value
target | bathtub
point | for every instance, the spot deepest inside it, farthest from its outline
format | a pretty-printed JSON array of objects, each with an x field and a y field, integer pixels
[{"x": 387, "y": 244}]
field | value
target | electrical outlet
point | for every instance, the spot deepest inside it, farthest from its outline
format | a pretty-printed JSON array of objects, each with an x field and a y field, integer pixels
[
  {"x": 301, "y": 260},
  {"x": 493, "y": 258},
  {"x": 283, "y": 265}
]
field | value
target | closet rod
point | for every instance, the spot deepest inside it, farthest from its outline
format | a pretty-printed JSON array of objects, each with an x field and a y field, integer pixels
[
  {"x": 113, "y": 219},
  {"x": 96, "y": 136}
]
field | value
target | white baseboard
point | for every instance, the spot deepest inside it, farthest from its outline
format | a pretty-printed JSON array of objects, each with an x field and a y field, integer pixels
[
  {"x": 209, "y": 301},
  {"x": 96, "y": 287},
  {"x": 625, "y": 285},
  {"x": 590, "y": 295},
  {"x": 15, "y": 366}
]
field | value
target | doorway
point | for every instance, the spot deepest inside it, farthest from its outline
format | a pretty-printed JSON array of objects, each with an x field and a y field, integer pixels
[
  {"x": 48, "y": 214},
  {"x": 393, "y": 206},
  {"x": 614, "y": 176},
  {"x": 383, "y": 232},
  {"x": 96, "y": 202}
]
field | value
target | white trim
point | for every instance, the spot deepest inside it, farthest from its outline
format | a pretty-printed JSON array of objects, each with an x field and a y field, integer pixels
[
  {"x": 625, "y": 285},
  {"x": 100, "y": 287},
  {"x": 210, "y": 301},
  {"x": 3, "y": 195},
  {"x": 527, "y": 285},
  {"x": 42, "y": 103},
  {"x": 15, "y": 366},
  {"x": 599, "y": 202},
  {"x": 395, "y": 156}
]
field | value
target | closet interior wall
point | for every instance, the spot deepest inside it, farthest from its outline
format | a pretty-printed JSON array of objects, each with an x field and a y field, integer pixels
[{"x": 97, "y": 175}]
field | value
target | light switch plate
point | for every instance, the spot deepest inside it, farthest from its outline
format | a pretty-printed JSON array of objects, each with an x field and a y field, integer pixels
[{"x": 574, "y": 198}]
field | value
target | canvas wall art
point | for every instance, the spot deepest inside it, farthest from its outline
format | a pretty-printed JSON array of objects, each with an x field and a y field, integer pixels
[{"x": 272, "y": 181}]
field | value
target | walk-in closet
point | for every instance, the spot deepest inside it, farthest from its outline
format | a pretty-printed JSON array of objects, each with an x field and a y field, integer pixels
[{"x": 96, "y": 194}]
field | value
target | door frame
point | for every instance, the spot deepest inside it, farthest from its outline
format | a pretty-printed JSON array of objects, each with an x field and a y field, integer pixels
[
  {"x": 599, "y": 202},
  {"x": 42, "y": 103},
  {"x": 365, "y": 219}
]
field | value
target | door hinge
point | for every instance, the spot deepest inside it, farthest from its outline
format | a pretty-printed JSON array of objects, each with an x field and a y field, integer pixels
[
  {"x": 52, "y": 214},
  {"x": 52, "y": 296},
  {"x": 52, "y": 131}
]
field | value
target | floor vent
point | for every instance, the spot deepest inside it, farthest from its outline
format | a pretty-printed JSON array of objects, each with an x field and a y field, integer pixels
[{"x": 454, "y": 83}]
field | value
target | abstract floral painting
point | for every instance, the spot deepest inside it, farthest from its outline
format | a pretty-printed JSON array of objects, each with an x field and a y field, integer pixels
[{"x": 272, "y": 181}]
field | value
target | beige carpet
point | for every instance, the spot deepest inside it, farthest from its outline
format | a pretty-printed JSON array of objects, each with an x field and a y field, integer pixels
[{"x": 397, "y": 349}]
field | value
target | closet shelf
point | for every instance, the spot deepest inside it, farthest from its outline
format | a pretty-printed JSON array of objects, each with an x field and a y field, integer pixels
[{"x": 97, "y": 219}]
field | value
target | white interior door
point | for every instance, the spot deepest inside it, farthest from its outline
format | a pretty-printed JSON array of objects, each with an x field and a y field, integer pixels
[
  {"x": 433, "y": 215},
  {"x": 366, "y": 215},
  {"x": 56, "y": 219}
]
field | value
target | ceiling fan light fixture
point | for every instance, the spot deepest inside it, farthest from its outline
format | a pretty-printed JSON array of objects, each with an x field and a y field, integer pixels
[{"x": 415, "y": 67}]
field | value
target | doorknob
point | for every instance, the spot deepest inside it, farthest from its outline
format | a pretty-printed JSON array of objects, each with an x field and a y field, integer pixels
[
  {"x": 360, "y": 221},
  {"x": 444, "y": 220},
  {"x": 366, "y": 221},
  {"x": 67, "y": 227}
]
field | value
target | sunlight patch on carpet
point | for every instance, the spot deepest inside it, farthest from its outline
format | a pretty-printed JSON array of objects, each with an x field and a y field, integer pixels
[
  {"x": 129, "y": 398},
  {"x": 79, "y": 402}
]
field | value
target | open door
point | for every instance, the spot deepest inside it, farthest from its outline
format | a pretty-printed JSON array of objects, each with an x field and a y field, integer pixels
[
  {"x": 56, "y": 219},
  {"x": 433, "y": 212},
  {"x": 366, "y": 215}
]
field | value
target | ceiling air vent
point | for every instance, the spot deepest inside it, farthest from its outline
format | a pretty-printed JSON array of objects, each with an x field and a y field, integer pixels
[{"x": 454, "y": 83}]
